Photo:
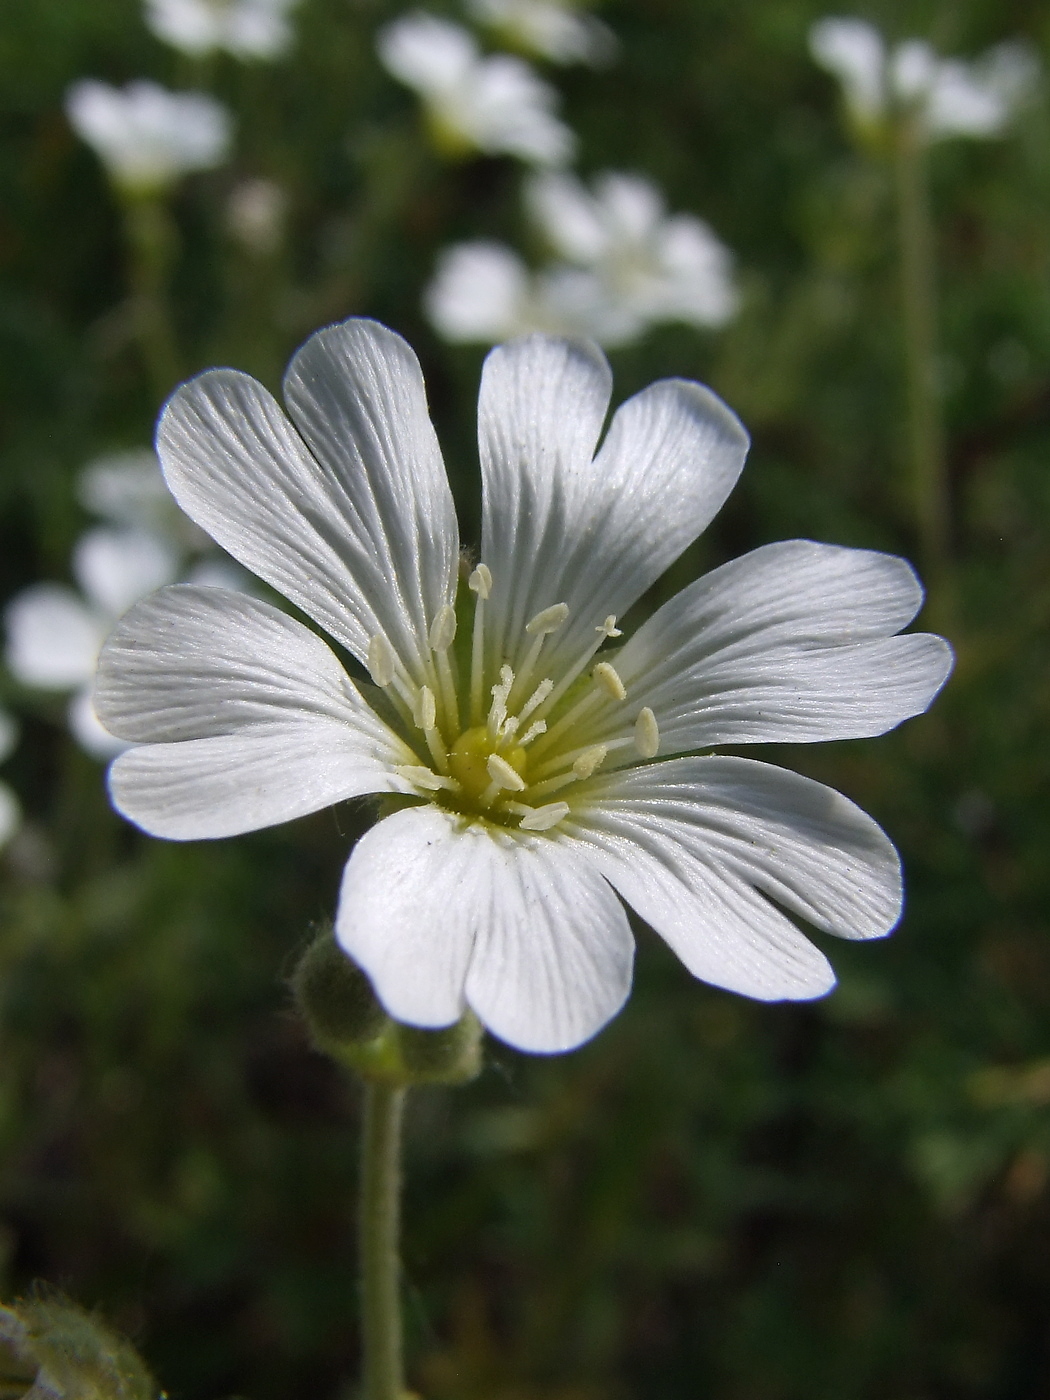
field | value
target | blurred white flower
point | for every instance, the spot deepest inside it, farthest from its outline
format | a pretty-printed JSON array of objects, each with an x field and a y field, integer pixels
[
  {"x": 245, "y": 28},
  {"x": 54, "y": 634},
  {"x": 255, "y": 214},
  {"x": 623, "y": 267},
  {"x": 10, "y": 809},
  {"x": 945, "y": 95},
  {"x": 551, "y": 29},
  {"x": 146, "y": 136},
  {"x": 496, "y": 104}
]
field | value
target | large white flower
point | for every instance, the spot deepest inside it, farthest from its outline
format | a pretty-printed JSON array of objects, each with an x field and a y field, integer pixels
[
  {"x": 552, "y": 29},
  {"x": 623, "y": 265},
  {"x": 544, "y": 766},
  {"x": 947, "y": 96},
  {"x": 245, "y": 28},
  {"x": 494, "y": 104},
  {"x": 146, "y": 136}
]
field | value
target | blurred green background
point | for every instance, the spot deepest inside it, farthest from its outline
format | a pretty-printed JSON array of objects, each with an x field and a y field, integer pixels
[{"x": 841, "y": 1201}]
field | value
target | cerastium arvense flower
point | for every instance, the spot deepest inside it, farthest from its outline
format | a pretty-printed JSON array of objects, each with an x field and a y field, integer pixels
[
  {"x": 544, "y": 763},
  {"x": 541, "y": 766}
]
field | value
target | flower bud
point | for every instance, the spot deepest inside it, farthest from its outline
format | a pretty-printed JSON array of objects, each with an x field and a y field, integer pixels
[
  {"x": 49, "y": 1347},
  {"x": 336, "y": 998}
]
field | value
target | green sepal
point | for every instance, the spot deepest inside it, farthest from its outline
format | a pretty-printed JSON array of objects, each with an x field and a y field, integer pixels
[{"x": 347, "y": 1022}]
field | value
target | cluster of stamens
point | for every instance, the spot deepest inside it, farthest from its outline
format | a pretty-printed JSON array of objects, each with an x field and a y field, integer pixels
[{"x": 487, "y": 761}]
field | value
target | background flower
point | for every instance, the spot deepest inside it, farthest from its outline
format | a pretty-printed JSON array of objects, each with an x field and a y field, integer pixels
[
  {"x": 145, "y": 136},
  {"x": 948, "y": 96},
  {"x": 496, "y": 104},
  {"x": 557, "y": 30},
  {"x": 245, "y": 28}
]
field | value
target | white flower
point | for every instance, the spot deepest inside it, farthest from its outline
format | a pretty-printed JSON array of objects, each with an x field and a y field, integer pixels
[
  {"x": 54, "y": 634},
  {"x": 497, "y": 104},
  {"x": 624, "y": 267},
  {"x": 552, "y": 29},
  {"x": 146, "y": 136},
  {"x": 245, "y": 28},
  {"x": 127, "y": 489},
  {"x": 947, "y": 96},
  {"x": 544, "y": 764},
  {"x": 10, "y": 808},
  {"x": 255, "y": 215}
]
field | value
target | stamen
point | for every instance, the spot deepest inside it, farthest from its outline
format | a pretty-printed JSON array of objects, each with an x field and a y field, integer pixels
[
  {"x": 436, "y": 745},
  {"x": 504, "y": 779},
  {"x": 540, "y": 818},
  {"x": 541, "y": 626},
  {"x": 607, "y": 629},
  {"x": 501, "y": 772},
  {"x": 480, "y": 584},
  {"x": 380, "y": 661},
  {"x": 647, "y": 734},
  {"x": 498, "y": 708},
  {"x": 442, "y": 635},
  {"x": 590, "y": 761},
  {"x": 424, "y": 709},
  {"x": 547, "y": 621},
  {"x": 443, "y": 629},
  {"x": 425, "y": 778},
  {"x": 533, "y": 732},
  {"x": 606, "y": 676}
]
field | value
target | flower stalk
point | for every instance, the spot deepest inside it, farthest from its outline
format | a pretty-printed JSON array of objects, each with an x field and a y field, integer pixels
[
  {"x": 380, "y": 1215},
  {"x": 928, "y": 482},
  {"x": 151, "y": 242}
]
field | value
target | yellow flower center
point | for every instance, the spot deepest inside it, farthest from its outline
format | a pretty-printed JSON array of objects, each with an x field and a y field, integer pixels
[{"x": 514, "y": 752}]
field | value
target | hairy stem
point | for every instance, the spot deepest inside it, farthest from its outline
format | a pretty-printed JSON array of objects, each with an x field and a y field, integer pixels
[
  {"x": 927, "y": 470},
  {"x": 379, "y": 1229},
  {"x": 151, "y": 248}
]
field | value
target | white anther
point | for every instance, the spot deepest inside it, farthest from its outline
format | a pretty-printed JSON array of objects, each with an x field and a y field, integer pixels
[
  {"x": 647, "y": 734},
  {"x": 609, "y": 628},
  {"x": 443, "y": 629},
  {"x": 543, "y": 818},
  {"x": 547, "y": 621},
  {"x": 503, "y": 775},
  {"x": 380, "y": 660},
  {"x": 421, "y": 777},
  {"x": 424, "y": 709},
  {"x": 533, "y": 732},
  {"x": 480, "y": 581},
  {"x": 609, "y": 681},
  {"x": 590, "y": 761}
]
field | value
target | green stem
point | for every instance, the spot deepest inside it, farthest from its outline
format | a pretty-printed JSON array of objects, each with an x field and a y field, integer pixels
[
  {"x": 151, "y": 246},
  {"x": 379, "y": 1228},
  {"x": 929, "y": 484}
]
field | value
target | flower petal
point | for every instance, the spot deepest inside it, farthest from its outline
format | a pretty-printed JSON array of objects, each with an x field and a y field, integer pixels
[
  {"x": 192, "y": 662},
  {"x": 362, "y": 536},
  {"x": 559, "y": 527},
  {"x": 52, "y": 637},
  {"x": 441, "y": 913},
  {"x": 790, "y": 643},
  {"x": 699, "y": 846},
  {"x": 227, "y": 784},
  {"x": 248, "y": 718}
]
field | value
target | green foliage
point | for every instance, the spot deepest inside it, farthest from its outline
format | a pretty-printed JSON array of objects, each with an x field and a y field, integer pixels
[{"x": 843, "y": 1201}]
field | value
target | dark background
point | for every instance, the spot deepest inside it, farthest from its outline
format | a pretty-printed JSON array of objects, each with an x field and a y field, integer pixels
[{"x": 840, "y": 1201}]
